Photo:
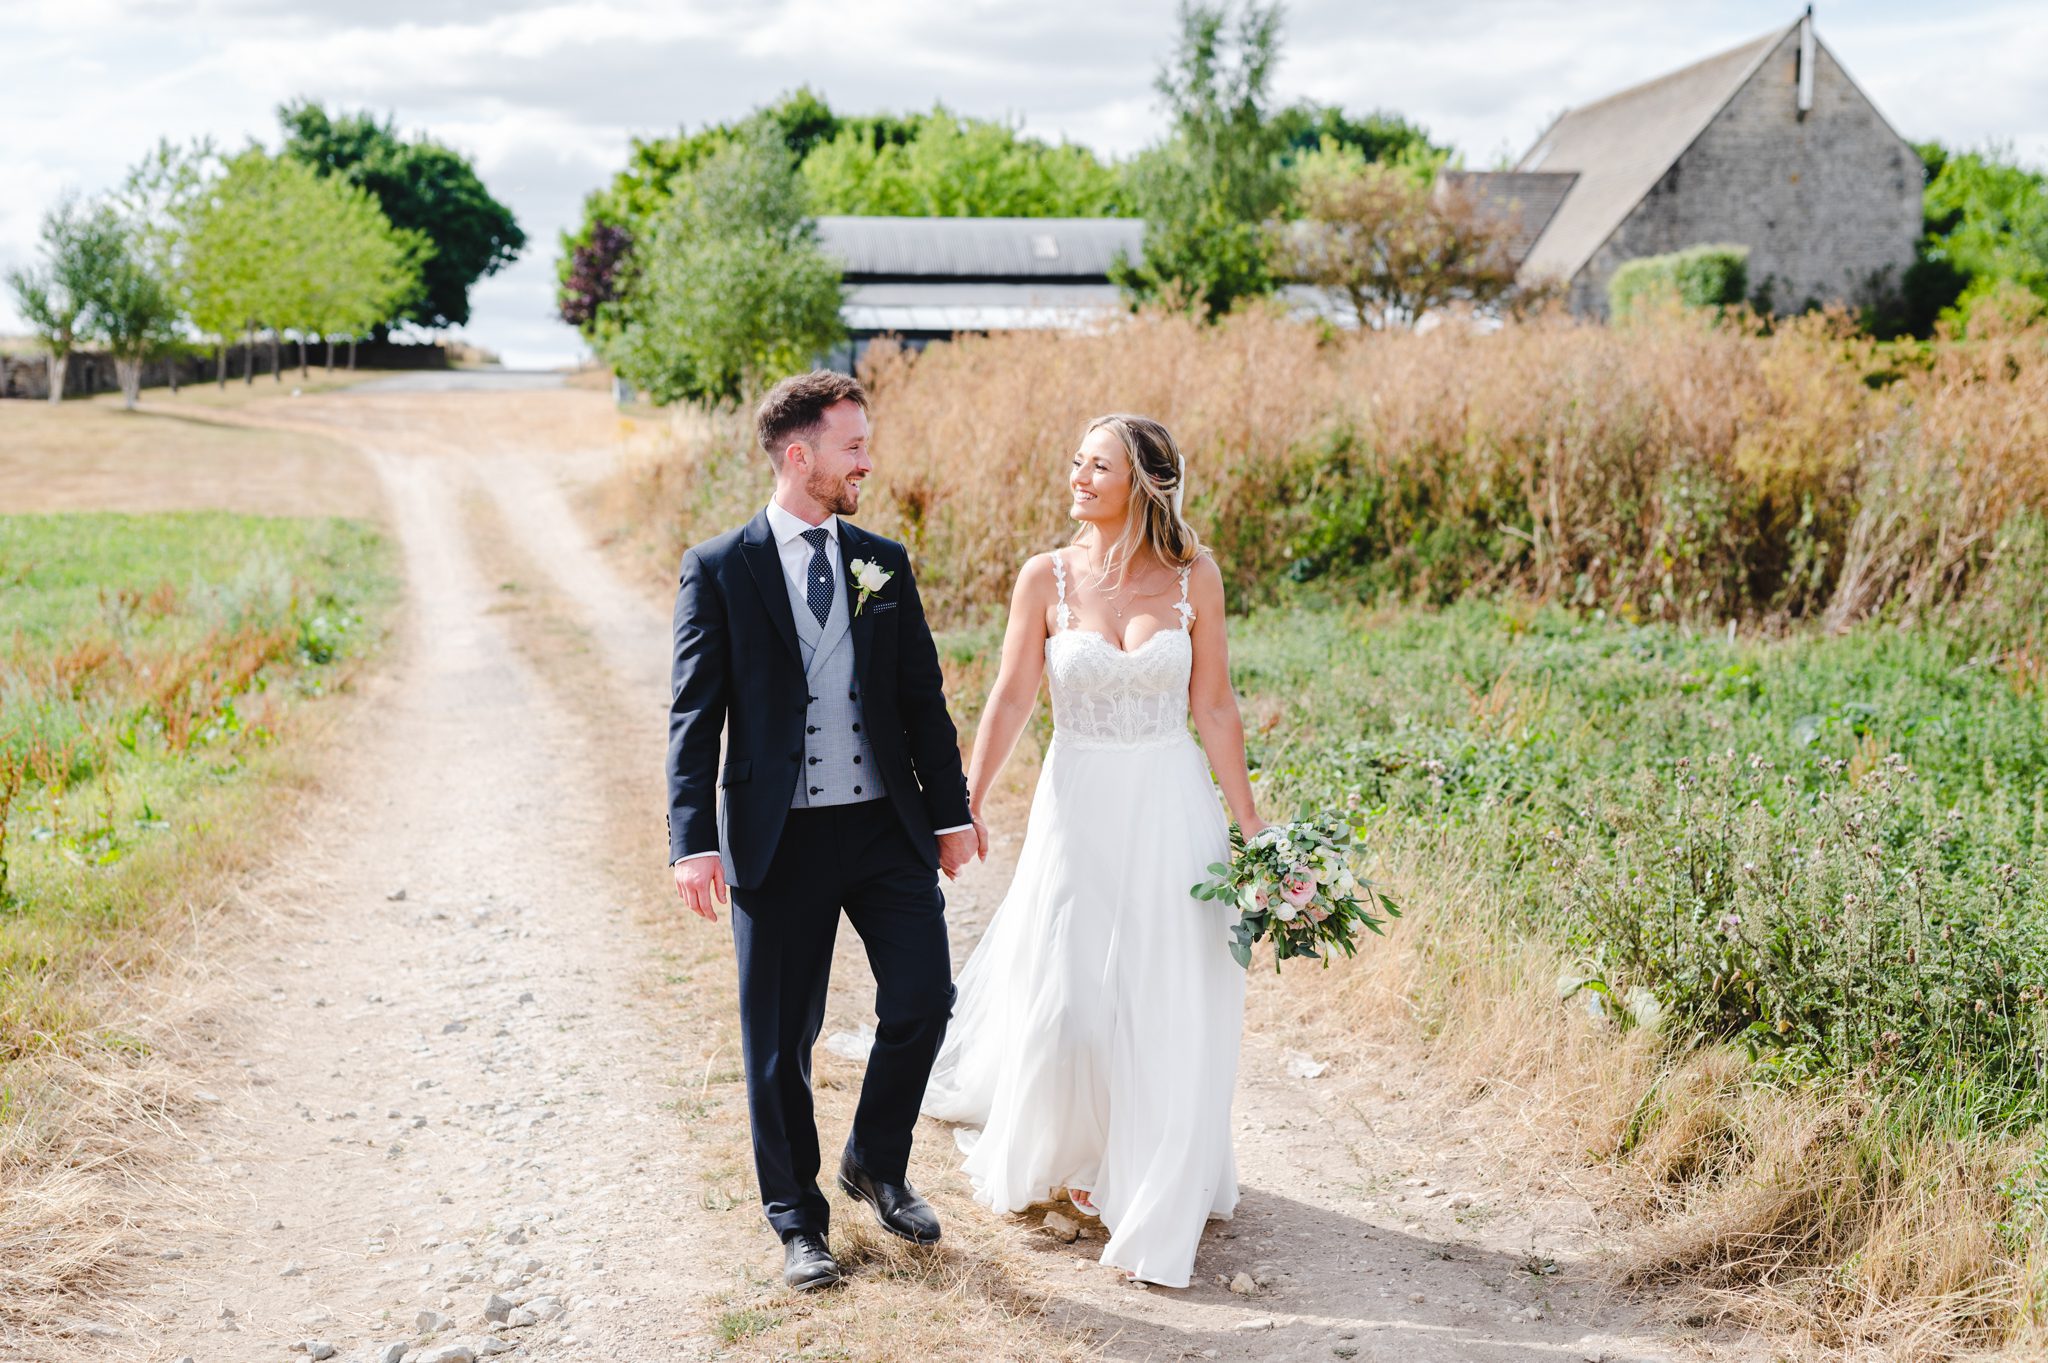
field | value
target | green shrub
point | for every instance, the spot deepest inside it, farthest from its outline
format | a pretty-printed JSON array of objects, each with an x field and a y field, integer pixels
[{"x": 1697, "y": 277}]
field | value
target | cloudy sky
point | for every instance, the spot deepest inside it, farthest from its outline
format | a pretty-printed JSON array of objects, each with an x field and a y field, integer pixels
[{"x": 546, "y": 94}]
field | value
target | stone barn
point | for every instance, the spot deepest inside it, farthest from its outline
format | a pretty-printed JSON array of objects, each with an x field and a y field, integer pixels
[{"x": 1770, "y": 145}]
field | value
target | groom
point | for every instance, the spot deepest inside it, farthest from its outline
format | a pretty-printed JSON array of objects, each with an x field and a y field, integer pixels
[{"x": 842, "y": 790}]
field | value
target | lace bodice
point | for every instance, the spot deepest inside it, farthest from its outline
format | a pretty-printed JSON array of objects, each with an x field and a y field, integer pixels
[{"x": 1104, "y": 697}]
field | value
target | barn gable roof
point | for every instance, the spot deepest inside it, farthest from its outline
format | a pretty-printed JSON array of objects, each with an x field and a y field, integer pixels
[
  {"x": 1522, "y": 201},
  {"x": 1621, "y": 145}
]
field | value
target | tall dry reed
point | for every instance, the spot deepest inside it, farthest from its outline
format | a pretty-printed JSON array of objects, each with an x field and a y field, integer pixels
[
  {"x": 1674, "y": 467},
  {"x": 1665, "y": 468}
]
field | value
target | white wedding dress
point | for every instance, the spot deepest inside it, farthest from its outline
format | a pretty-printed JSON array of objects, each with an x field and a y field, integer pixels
[{"x": 1094, "y": 1044}]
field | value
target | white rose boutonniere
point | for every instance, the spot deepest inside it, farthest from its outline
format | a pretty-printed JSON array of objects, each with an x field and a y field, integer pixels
[{"x": 870, "y": 578}]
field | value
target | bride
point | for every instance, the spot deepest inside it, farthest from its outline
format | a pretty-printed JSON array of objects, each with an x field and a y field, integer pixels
[{"x": 1094, "y": 1045}]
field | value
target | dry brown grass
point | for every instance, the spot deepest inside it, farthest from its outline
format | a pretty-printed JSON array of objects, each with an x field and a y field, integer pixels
[
  {"x": 173, "y": 455},
  {"x": 86, "y": 1126},
  {"x": 1800, "y": 1212},
  {"x": 1672, "y": 467}
]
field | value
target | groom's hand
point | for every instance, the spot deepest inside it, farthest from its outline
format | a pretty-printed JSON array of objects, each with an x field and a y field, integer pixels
[
  {"x": 697, "y": 880},
  {"x": 956, "y": 849}
]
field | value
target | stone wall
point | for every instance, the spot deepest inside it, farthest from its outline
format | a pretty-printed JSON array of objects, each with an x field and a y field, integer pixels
[
  {"x": 89, "y": 372},
  {"x": 1829, "y": 205}
]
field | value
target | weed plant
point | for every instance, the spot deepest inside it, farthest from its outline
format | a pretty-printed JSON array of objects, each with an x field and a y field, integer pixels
[{"x": 150, "y": 662}]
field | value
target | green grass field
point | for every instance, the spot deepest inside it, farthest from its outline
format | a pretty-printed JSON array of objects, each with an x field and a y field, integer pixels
[
  {"x": 152, "y": 667},
  {"x": 1831, "y": 850}
]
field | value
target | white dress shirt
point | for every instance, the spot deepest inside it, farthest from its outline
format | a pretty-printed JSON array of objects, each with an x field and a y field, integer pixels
[{"x": 795, "y": 552}]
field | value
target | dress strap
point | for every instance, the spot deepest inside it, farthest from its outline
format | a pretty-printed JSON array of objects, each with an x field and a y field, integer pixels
[
  {"x": 1185, "y": 606},
  {"x": 1064, "y": 615}
]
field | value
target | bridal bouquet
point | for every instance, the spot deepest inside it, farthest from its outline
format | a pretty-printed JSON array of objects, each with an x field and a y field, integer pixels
[{"x": 1297, "y": 886}]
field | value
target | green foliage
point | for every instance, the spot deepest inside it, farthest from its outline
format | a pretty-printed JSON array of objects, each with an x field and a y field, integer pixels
[
  {"x": 80, "y": 244},
  {"x": 1381, "y": 136},
  {"x": 1207, "y": 193},
  {"x": 597, "y": 269},
  {"x": 732, "y": 287},
  {"x": 271, "y": 241},
  {"x": 422, "y": 187},
  {"x": 949, "y": 166},
  {"x": 937, "y": 163},
  {"x": 1697, "y": 277},
  {"x": 135, "y": 312},
  {"x": 1984, "y": 235},
  {"x": 154, "y": 660},
  {"x": 1988, "y": 220},
  {"x": 1832, "y": 849}
]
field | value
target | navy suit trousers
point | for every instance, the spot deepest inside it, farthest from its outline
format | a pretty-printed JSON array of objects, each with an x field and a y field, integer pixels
[{"x": 857, "y": 858}]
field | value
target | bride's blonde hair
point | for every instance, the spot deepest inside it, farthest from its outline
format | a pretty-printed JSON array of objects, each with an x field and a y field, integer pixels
[{"x": 1158, "y": 481}]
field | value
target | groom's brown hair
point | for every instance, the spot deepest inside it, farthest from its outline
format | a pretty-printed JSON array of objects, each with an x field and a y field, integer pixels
[{"x": 796, "y": 407}]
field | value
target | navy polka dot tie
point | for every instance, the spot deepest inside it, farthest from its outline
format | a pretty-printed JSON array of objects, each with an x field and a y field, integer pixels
[{"x": 818, "y": 584}]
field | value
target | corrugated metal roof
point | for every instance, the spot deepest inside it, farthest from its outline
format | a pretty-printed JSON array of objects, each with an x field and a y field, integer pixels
[
  {"x": 979, "y": 248},
  {"x": 1525, "y": 200},
  {"x": 1621, "y": 145}
]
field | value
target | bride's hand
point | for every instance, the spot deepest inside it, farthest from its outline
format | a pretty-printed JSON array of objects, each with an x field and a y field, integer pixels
[{"x": 1252, "y": 827}]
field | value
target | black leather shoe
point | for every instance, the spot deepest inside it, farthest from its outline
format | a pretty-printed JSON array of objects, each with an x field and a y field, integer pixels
[
  {"x": 806, "y": 1263},
  {"x": 897, "y": 1206}
]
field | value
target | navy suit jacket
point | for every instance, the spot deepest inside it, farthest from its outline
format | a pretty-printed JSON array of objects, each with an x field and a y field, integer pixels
[{"x": 738, "y": 670}]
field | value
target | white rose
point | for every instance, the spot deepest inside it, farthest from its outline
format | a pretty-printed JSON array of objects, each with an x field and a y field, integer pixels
[
  {"x": 1284, "y": 911},
  {"x": 870, "y": 576}
]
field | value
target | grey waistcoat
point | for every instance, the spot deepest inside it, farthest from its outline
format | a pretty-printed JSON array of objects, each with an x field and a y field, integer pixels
[{"x": 839, "y": 766}]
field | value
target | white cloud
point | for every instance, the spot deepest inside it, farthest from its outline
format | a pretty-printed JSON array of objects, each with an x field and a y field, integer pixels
[{"x": 547, "y": 93}]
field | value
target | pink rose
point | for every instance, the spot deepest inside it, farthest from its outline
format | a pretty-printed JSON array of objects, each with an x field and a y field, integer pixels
[{"x": 1299, "y": 886}]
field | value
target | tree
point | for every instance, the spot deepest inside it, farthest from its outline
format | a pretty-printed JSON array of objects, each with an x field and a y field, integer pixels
[
  {"x": 79, "y": 246},
  {"x": 133, "y": 308},
  {"x": 1988, "y": 220},
  {"x": 1309, "y": 128},
  {"x": 154, "y": 200},
  {"x": 596, "y": 267},
  {"x": 959, "y": 167},
  {"x": 732, "y": 287},
  {"x": 1207, "y": 194},
  {"x": 931, "y": 163},
  {"x": 232, "y": 257},
  {"x": 1388, "y": 242},
  {"x": 271, "y": 242},
  {"x": 422, "y": 187}
]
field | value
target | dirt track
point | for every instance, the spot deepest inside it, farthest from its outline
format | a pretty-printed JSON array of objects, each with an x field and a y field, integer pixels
[{"x": 470, "y": 1049}]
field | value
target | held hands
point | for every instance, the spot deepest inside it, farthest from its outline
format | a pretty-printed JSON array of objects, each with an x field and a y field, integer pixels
[
  {"x": 961, "y": 846},
  {"x": 697, "y": 880}
]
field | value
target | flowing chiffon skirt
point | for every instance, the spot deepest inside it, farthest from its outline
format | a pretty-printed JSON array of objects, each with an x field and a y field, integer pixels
[{"x": 1095, "y": 1040}]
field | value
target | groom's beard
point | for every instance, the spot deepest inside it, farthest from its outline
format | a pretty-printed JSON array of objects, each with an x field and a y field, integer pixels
[{"x": 840, "y": 496}]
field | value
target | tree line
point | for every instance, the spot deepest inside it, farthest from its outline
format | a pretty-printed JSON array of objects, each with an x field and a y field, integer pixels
[
  {"x": 697, "y": 269},
  {"x": 347, "y": 231}
]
